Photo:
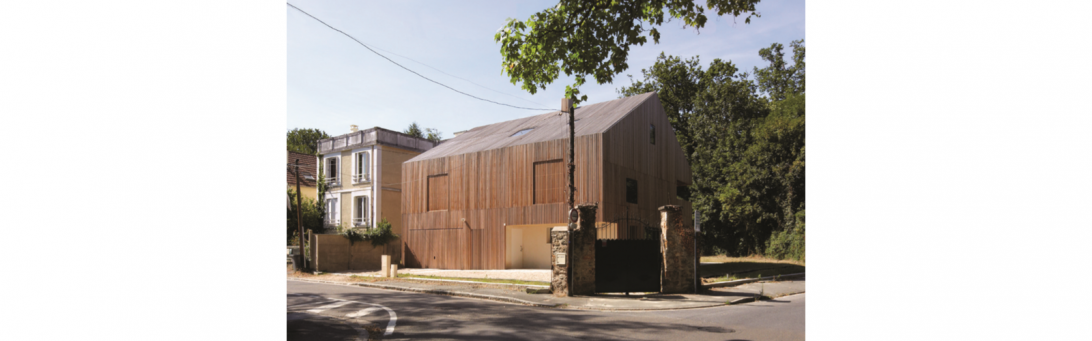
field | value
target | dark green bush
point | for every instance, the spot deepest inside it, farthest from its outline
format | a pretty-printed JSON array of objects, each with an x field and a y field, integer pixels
[
  {"x": 311, "y": 215},
  {"x": 788, "y": 243}
]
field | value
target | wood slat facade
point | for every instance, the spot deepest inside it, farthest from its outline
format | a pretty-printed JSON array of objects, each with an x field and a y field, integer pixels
[{"x": 491, "y": 179}]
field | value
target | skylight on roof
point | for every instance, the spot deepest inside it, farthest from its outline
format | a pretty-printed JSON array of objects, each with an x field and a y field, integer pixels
[{"x": 521, "y": 132}]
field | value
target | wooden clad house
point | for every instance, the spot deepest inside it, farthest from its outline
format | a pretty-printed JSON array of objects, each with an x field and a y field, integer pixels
[{"x": 486, "y": 198}]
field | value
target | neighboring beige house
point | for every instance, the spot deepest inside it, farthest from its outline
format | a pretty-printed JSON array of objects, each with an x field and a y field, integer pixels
[
  {"x": 364, "y": 171},
  {"x": 308, "y": 182}
]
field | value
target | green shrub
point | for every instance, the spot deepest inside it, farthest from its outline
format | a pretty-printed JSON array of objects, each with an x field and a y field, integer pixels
[
  {"x": 378, "y": 236},
  {"x": 311, "y": 216},
  {"x": 788, "y": 243}
]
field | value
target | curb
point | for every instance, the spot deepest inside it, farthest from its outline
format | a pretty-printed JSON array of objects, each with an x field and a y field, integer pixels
[
  {"x": 749, "y": 280},
  {"x": 536, "y": 304},
  {"x": 547, "y": 287},
  {"x": 438, "y": 292},
  {"x": 753, "y": 298}
]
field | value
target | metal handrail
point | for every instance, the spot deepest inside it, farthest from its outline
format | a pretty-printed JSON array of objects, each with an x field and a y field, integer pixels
[
  {"x": 359, "y": 222},
  {"x": 358, "y": 178}
]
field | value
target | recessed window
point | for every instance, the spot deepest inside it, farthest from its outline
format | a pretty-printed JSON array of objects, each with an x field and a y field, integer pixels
[
  {"x": 361, "y": 211},
  {"x": 631, "y": 191},
  {"x": 331, "y": 171},
  {"x": 331, "y": 212},
  {"x": 437, "y": 193},
  {"x": 549, "y": 182},
  {"x": 521, "y": 132},
  {"x": 652, "y": 134},
  {"x": 362, "y": 167},
  {"x": 682, "y": 191}
]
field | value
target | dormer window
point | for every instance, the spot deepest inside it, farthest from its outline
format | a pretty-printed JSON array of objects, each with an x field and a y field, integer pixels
[{"x": 521, "y": 132}]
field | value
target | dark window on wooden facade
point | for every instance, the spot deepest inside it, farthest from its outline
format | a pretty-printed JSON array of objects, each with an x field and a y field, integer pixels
[
  {"x": 682, "y": 191},
  {"x": 652, "y": 134},
  {"x": 549, "y": 186},
  {"x": 437, "y": 192},
  {"x": 631, "y": 191}
]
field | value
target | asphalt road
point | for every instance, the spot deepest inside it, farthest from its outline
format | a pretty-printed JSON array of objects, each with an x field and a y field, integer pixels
[{"x": 337, "y": 312}]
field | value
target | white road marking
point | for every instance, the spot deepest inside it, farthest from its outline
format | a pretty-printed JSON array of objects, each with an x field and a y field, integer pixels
[
  {"x": 390, "y": 324},
  {"x": 331, "y": 306},
  {"x": 394, "y": 318},
  {"x": 363, "y": 312}
]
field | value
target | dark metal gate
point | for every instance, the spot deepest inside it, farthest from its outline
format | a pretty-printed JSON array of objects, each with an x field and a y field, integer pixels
[{"x": 629, "y": 265}]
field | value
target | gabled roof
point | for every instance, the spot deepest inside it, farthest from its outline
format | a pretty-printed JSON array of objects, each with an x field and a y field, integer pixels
[
  {"x": 591, "y": 119},
  {"x": 309, "y": 165}
]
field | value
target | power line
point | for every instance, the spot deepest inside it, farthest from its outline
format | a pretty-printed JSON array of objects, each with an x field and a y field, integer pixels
[
  {"x": 464, "y": 79},
  {"x": 407, "y": 69}
]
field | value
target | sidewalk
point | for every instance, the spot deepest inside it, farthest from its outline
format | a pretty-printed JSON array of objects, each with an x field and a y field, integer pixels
[{"x": 609, "y": 302}]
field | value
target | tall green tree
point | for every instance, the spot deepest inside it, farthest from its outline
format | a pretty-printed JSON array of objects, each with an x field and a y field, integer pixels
[
  {"x": 710, "y": 111},
  {"x": 779, "y": 79},
  {"x": 305, "y": 140},
  {"x": 592, "y": 37},
  {"x": 746, "y": 151}
]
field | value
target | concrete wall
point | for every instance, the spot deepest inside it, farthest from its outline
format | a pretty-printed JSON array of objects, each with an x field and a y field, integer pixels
[{"x": 331, "y": 253}]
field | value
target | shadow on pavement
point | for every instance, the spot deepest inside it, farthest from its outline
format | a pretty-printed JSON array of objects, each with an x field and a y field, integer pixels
[{"x": 444, "y": 317}]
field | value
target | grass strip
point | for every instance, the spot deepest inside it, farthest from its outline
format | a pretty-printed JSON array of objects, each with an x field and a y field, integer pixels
[{"x": 482, "y": 280}]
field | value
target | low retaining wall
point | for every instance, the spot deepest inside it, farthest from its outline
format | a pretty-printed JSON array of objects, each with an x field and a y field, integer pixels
[{"x": 332, "y": 253}]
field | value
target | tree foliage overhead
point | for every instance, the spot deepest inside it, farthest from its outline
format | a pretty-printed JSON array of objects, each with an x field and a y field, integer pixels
[
  {"x": 592, "y": 37},
  {"x": 305, "y": 140},
  {"x": 780, "y": 79},
  {"x": 746, "y": 151}
]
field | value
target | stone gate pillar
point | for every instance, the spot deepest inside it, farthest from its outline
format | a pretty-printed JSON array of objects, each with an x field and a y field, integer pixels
[
  {"x": 582, "y": 250},
  {"x": 677, "y": 244},
  {"x": 559, "y": 251}
]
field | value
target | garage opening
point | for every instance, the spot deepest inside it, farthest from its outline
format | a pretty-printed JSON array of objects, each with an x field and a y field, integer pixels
[{"x": 527, "y": 246}]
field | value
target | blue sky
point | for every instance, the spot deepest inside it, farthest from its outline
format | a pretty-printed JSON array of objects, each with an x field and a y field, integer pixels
[{"x": 334, "y": 82}]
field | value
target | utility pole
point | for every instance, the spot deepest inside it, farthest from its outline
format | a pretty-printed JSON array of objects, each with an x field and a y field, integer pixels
[
  {"x": 567, "y": 105},
  {"x": 299, "y": 208}
]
